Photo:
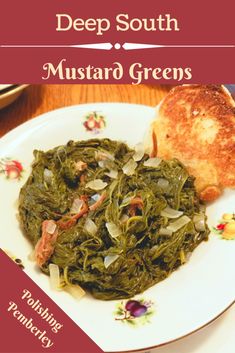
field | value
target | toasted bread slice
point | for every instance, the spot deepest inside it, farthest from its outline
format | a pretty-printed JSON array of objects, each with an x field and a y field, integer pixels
[{"x": 196, "y": 124}]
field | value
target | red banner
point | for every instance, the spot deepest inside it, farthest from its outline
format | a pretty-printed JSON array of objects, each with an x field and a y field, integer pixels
[{"x": 100, "y": 42}]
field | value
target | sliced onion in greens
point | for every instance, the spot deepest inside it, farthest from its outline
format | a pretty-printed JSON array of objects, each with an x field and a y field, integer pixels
[
  {"x": 101, "y": 164},
  {"x": 113, "y": 229},
  {"x": 163, "y": 183},
  {"x": 103, "y": 155},
  {"x": 126, "y": 201},
  {"x": 90, "y": 226},
  {"x": 112, "y": 174},
  {"x": 182, "y": 256},
  {"x": 54, "y": 277},
  {"x": 179, "y": 223},
  {"x": 95, "y": 197},
  {"x": 199, "y": 222},
  {"x": 130, "y": 167},
  {"x": 152, "y": 162},
  {"x": 109, "y": 259},
  {"x": 124, "y": 218},
  {"x": 165, "y": 231},
  {"x": 51, "y": 227},
  {"x": 96, "y": 184},
  {"x": 47, "y": 175},
  {"x": 171, "y": 213},
  {"x": 76, "y": 291},
  {"x": 139, "y": 152},
  {"x": 76, "y": 206}
]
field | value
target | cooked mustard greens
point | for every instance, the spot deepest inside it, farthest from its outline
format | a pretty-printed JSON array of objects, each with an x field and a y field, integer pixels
[{"x": 125, "y": 243}]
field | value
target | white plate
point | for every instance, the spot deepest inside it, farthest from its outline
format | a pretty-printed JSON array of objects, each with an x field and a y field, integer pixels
[
  {"x": 189, "y": 299},
  {"x": 4, "y": 86}
]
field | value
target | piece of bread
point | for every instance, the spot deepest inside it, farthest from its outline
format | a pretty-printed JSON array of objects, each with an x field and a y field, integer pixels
[{"x": 196, "y": 124}]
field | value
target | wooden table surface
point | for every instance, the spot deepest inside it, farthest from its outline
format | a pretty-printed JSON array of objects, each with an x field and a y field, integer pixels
[{"x": 38, "y": 99}]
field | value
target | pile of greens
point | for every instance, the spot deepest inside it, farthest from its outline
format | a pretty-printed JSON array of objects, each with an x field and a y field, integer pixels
[{"x": 134, "y": 237}]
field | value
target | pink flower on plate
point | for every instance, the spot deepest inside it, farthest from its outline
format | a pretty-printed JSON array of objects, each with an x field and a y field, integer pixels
[
  {"x": 11, "y": 168},
  {"x": 94, "y": 122}
]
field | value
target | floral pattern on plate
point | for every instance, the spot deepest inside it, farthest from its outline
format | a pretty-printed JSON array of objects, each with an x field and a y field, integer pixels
[
  {"x": 134, "y": 312},
  {"x": 94, "y": 122},
  {"x": 226, "y": 226},
  {"x": 12, "y": 169}
]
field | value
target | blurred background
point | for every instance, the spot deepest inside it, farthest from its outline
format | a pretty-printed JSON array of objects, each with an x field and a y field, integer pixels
[
  {"x": 19, "y": 103},
  {"x": 24, "y": 103}
]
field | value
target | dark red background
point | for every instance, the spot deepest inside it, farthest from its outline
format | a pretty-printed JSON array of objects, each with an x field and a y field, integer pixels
[{"x": 200, "y": 22}]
